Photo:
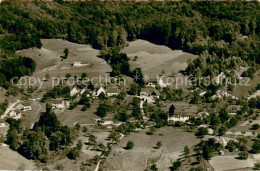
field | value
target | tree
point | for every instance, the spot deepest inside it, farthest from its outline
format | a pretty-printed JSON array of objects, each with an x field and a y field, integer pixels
[
  {"x": 195, "y": 98},
  {"x": 186, "y": 151},
  {"x": 102, "y": 110},
  {"x": 256, "y": 147},
  {"x": 129, "y": 145},
  {"x": 83, "y": 76},
  {"x": 255, "y": 126},
  {"x": 138, "y": 77},
  {"x": 66, "y": 53},
  {"x": 243, "y": 155},
  {"x": 171, "y": 110},
  {"x": 153, "y": 167},
  {"x": 223, "y": 115},
  {"x": 202, "y": 131},
  {"x": 134, "y": 89},
  {"x": 68, "y": 75},
  {"x": 222, "y": 130},
  {"x": 73, "y": 154},
  {"x": 176, "y": 165},
  {"x": 158, "y": 144},
  {"x": 92, "y": 139}
]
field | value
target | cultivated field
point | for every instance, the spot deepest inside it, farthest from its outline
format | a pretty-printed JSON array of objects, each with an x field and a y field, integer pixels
[
  {"x": 155, "y": 59},
  {"x": 173, "y": 141},
  {"x": 220, "y": 163}
]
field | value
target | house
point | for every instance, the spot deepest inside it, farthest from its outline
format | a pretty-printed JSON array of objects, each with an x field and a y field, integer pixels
[
  {"x": 202, "y": 93},
  {"x": 82, "y": 91},
  {"x": 112, "y": 92},
  {"x": 149, "y": 94},
  {"x": 162, "y": 84},
  {"x": 222, "y": 140},
  {"x": 78, "y": 64},
  {"x": 220, "y": 94},
  {"x": 15, "y": 115},
  {"x": 104, "y": 123},
  {"x": 203, "y": 114},
  {"x": 74, "y": 91},
  {"x": 151, "y": 83},
  {"x": 220, "y": 78},
  {"x": 24, "y": 106},
  {"x": 59, "y": 104},
  {"x": 180, "y": 118},
  {"x": 99, "y": 91}
]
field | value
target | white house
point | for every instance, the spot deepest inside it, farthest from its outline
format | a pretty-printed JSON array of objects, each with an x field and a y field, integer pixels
[
  {"x": 220, "y": 94},
  {"x": 24, "y": 106},
  {"x": 2, "y": 124},
  {"x": 82, "y": 91},
  {"x": 59, "y": 104},
  {"x": 179, "y": 118},
  {"x": 15, "y": 115},
  {"x": 78, "y": 64},
  {"x": 162, "y": 84},
  {"x": 74, "y": 91},
  {"x": 112, "y": 92},
  {"x": 99, "y": 91},
  {"x": 152, "y": 83},
  {"x": 220, "y": 78},
  {"x": 203, "y": 93}
]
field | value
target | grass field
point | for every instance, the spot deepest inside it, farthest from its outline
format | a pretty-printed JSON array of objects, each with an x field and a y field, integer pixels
[
  {"x": 11, "y": 160},
  {"x": 220, "y": 163},
  {"x": 49, "y": 61},
  {"x": 153, "y": 59},
  {"x": 173, "y": 141}
]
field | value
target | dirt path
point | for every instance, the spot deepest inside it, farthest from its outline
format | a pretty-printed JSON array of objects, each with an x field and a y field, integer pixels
[{"x": 10, "y": 107}]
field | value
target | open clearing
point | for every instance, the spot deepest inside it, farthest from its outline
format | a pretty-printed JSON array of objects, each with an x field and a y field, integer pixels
[
  {"x": 220, "y": 163},
  {"x": 153, "y": 59},
  {"x": 11, "y": 160},
  {"x": 173, "y": 141},
  {"x": 49, "y": 61}
]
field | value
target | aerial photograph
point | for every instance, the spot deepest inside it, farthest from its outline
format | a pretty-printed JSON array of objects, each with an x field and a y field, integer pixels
[{"x": 130, "y": 85}]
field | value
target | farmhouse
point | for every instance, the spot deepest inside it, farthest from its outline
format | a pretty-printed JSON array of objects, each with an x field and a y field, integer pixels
[
  {"x": 99, "y": 91},
  {"x": 222, "y": 140},
  {"x": 74, "y": 91},
  {"x": 82, "y": 91},
  {"x": 59, "y": 104},
  {"x": 220, "y": 94},
  {"x": 220, "y": 78},
  {"x": 78, "y": 64},
  {"x": 15, "y": 115},
  {"x": 112, "y": 92},
  {"x": 149, "y": 94},
  {"x": 24, "y": 106},
  {"x": 180, "y": 118},
  {"x": 152, "y": 83}
]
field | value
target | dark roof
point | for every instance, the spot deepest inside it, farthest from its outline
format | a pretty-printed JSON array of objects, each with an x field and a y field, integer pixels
[
  {"x": 150, "y": 91},
  {"x": 58, "y": 101},
  {"x": 26, "y": 104},
  {"x": 112, "y": 90}
]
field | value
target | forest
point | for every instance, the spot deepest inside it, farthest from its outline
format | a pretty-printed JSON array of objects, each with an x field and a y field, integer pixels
[
  {"x": 15, "y": 67},
  {"x": 220, "y": 31}
]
